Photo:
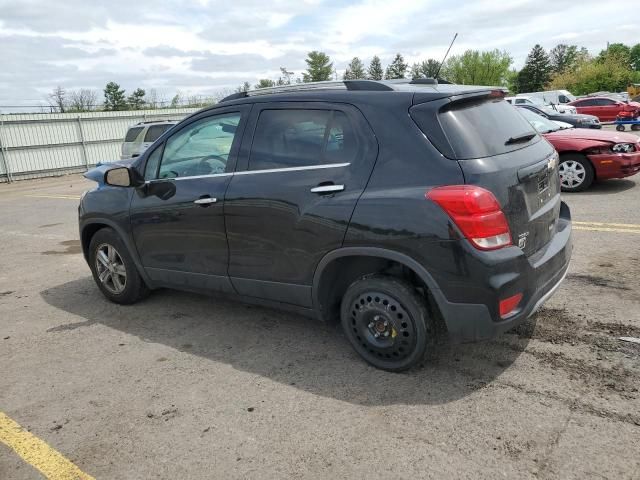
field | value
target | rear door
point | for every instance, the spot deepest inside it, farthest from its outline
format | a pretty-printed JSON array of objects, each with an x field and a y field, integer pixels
[
  {"x": 587, "y": 106},
  {"x": 607, "y": 109},
  {"x": 303, "y": 166},
  {"x": 499, "y": 150}
]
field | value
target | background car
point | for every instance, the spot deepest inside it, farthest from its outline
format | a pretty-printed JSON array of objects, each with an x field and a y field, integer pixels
[
  {"x": 578, "y": 120},
  {"x": 140, "y": 136},
  {"x": 557, "y": 99},
  {"x": 606, "y": 109},
  {"x": 588, "y": 155},
  {"x": 540, "y": 103}
]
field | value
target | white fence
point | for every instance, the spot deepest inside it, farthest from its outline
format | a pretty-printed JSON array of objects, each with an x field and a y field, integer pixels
[{"x": 42, "y": 144}]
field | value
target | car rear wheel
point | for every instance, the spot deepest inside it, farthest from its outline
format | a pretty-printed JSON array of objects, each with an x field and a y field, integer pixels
[
  {"x": 576, "y": 173},
  {"x": 386, "y": 322},
  {"x": 113, "y": 268}
]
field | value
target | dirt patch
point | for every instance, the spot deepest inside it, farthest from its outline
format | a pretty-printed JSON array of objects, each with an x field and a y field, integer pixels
[
  {"x": 73, "y": 247},
  {"x": 596, "y": 281},
  {"x": 552, "y": 325},
  {"x": 617, "y": 329}
]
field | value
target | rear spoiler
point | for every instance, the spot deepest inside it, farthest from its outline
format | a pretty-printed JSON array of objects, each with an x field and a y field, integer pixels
[{"x": 461, "y": 96}]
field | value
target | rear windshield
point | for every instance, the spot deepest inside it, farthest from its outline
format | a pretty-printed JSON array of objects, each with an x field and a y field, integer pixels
[
  {"x": 132, "y": 134},
  {"x": 475, "y": 128}
]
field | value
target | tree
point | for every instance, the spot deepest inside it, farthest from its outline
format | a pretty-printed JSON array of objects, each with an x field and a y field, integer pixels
[
  {"x": 511, "y": 81},
  {"x": 634, "y": 57},
  {"x": 474, "y": 67},
  {"x": 264, "y": 83},
  {"x": 319, "y": 67},
  {"x": 610, "y": 73},
  {"x": 355, "y": 70},
  {"x": 397, "y": 68},
  {"x": 618, "y": 50},
  {"x": 114, "y": 98},
  {"x": 245, "y": 87},
  {"x": 426, "y": 69},
  {"x": 285, "y": 77},
  {"x": 563, "y": 56},
  {"x": 82, "y": 100},
  {"x": 536, "y": 72},
  {"x": 58, "y": 99},
  {"x": 136, "y": 99},
  {"x": 375, "y": 71}
]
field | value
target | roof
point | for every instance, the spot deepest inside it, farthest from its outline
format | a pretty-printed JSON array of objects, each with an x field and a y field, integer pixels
[{"x": 428, "y": 88}]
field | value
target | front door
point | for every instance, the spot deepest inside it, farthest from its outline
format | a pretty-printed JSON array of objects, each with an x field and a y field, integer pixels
[
  {"x": 177, "y": 218},
  {"x": 302, "y": 170}
]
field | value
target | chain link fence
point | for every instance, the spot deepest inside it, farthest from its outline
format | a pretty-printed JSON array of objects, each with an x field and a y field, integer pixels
[{"x": 48, "y": 144}]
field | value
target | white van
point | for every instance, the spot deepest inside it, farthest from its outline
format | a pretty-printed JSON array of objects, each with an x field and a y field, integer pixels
[{"x": 554, "y": 97}]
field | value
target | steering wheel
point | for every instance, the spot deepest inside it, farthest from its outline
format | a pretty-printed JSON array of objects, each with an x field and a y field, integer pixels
[{"x": 219, "y": 168}]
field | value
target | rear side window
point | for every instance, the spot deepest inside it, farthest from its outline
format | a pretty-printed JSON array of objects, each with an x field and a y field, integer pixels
[
  {"x": 132, "y": 134},
  {"x": 299, "y": 138},
  {"x": 154, "y": 132},
  {"x": 474, "y": 128}
]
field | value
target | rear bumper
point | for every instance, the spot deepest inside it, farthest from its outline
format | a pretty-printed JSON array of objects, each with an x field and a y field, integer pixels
[
  {"x": 537, "y": 278},
  {"x": 615, "y": 165}
]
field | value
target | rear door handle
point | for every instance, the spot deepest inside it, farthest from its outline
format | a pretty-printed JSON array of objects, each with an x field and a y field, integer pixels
[
  {"x": 327, "y": 188},
  {"x": 205, "y": 201}
]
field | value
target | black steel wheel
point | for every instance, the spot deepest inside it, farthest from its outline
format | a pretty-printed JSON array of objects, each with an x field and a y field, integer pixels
[{"x": 387, "y": 322}]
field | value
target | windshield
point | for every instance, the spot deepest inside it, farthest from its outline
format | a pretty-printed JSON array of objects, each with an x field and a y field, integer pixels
[{"x": 541, "y": 124}]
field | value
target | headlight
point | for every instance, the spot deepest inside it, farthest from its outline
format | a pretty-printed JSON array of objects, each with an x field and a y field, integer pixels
[{"x": 623, "y": 147}]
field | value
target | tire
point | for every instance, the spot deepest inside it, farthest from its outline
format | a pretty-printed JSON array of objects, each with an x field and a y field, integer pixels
[
  {"x": 110, "y": 260},
  {"x": 635, "y": 128},
  {"x": 576, "y": 172},
  {"x": 392, "y": 309},
  {"x": 620, "y": 128}
]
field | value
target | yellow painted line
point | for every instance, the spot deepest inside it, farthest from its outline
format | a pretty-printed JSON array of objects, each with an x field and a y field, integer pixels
[
  {"x": 600, "y": 224},
  {"x": 606, "y": 229},
  {"x": 52, "y": 464},
  {"x": 65, "y": 197}
]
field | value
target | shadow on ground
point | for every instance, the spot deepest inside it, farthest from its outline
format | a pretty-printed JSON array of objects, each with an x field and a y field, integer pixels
[
  {"x": 286, "y": 348},
  {"x": 608, "y": 187}
]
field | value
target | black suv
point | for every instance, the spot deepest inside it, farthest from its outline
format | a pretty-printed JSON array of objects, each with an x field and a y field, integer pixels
[{"x": 394, "y": 206}]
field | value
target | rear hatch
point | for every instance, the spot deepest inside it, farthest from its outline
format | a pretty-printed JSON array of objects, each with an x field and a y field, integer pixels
[{"x": 497, "y": 149}]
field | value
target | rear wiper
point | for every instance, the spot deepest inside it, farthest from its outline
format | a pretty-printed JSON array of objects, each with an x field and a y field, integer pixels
[{"x": 520, "y": 138}]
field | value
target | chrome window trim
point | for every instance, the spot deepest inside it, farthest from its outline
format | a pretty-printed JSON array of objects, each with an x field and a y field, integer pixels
[{"x": 251, "y": 172}]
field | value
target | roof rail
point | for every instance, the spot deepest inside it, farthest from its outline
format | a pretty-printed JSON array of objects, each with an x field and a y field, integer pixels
[{"x": 362, "y": 85}]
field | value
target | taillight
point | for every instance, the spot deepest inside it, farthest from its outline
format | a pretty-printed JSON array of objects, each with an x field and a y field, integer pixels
[{"x": 477, "y": 214}]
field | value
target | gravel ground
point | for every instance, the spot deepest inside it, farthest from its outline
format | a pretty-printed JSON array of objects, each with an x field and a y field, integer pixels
[{"x": 186, "y": 386}]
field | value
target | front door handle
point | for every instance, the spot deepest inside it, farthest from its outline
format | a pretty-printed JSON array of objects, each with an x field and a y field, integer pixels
[
  {"x": 205, "y": 201},
  {"x": 327, "y": 188}
]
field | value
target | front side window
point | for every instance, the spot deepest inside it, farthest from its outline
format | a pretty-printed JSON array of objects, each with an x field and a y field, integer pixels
[
  {"x": 585, "y": 103},
  {"x": 299, "y": 138},
  {"x": 202, "y": 148}
]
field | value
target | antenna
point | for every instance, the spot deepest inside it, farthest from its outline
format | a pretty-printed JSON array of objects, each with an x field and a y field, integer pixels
[{"x": 445, "y": 56}]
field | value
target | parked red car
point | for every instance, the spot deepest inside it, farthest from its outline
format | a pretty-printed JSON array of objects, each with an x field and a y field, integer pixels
[
  {"x": 587, "y": 155},
  {"x": 606, "y": 109}
]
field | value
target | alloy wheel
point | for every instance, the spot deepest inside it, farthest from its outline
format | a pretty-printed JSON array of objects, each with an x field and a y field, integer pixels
[{"x": 110, "y": 269}]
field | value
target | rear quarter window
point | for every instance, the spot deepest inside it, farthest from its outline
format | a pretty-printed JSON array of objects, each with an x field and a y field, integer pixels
[
  {"x": 132, "y": 134},
  {"x": 154, "y": 132},
  {"x": 473, "y": 128}
]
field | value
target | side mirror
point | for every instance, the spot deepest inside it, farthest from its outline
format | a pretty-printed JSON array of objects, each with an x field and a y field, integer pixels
[{"x": 122, "y": 177}]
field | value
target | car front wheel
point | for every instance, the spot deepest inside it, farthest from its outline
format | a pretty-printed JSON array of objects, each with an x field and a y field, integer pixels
[
  {"x": 576, "y": 173},
  {"x": 113, "y": 268},
  {"x": 386, "y": 322}
]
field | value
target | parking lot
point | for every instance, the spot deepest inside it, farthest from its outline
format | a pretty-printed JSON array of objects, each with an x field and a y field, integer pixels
[{"x": 184, "y": 386}]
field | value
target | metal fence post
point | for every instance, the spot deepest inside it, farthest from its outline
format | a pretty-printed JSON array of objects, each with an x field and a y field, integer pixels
[
  {"x": 84, "y": 147},
  {"x": 3, "y": 153}
]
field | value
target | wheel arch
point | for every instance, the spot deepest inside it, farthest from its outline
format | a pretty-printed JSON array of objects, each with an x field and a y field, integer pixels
[
  {"x": 88, "y": 230},
  {"x": 339, "y": 268}
]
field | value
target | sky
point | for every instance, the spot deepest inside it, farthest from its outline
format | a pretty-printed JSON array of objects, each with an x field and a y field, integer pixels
[{"x": 206, "y": 47}]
